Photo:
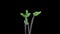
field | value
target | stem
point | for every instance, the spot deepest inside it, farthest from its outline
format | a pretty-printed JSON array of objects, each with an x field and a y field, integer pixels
[
  {"x": 31, "y": 25},
  {"x": 26, "y": 24},
  {"x": 25, "y": 28},
  {"x": 28, "y": 28},
  {"x": 25, "y": 21}
]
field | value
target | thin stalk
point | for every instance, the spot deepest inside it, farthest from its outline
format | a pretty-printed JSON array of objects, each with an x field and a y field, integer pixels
[
  {"x": 25, "y": 28},
  {"x": 25, "y": 21},
  {"x": 31, "y": 24},
  {"x": 28, "y": 28},
  {"x": 26, "y": 24}
]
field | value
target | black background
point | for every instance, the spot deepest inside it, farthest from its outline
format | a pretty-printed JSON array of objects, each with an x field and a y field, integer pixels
[{"x": 40, "y": 25}]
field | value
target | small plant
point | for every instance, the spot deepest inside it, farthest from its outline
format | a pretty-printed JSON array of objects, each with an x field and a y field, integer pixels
[{"x": 26, "y": 15}]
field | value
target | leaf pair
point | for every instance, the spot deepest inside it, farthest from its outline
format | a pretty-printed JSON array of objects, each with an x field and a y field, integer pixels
[
  {"x": 36, "y": 13},
  {"x": 26, "y": 14}
]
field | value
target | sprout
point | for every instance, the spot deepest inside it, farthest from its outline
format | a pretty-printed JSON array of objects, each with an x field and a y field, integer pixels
[
  {"x": 26, "y": 15},
  {"x": 36, "y": 13}
]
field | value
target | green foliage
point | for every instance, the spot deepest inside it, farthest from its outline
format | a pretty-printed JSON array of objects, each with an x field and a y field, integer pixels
[
  {"x": 22, "y": 14},
  {"x": 26, "y": 15},
  {"x": 36, "y": 13}
]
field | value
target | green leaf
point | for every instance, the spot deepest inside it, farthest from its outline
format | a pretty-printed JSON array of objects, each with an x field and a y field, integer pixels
[
  {"x": 22, "y": 14},
  {"x": 36, "y": 13},
  {"x": 27, "y": 14}
]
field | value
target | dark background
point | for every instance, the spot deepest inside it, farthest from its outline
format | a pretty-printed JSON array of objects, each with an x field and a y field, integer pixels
[{"x": 40, "y": 25}]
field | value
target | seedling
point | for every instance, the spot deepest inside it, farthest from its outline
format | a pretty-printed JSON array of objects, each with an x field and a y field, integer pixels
[{"x": 26, "y": 15}]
